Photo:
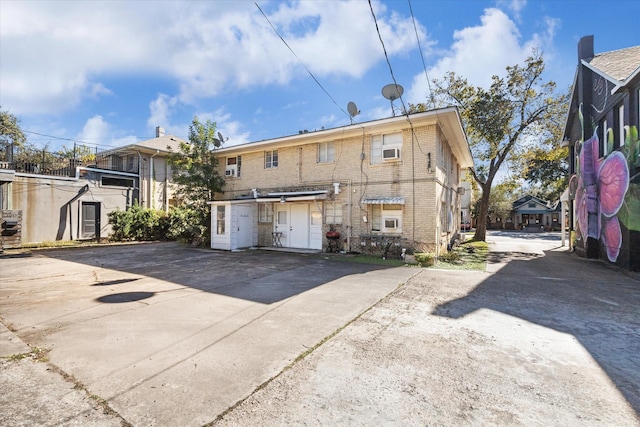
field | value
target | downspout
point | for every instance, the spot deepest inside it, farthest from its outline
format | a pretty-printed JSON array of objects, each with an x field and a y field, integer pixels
[
  {"x": 140, "y": 192},
  {"x": 350, "y": 215},
  {"x": 152, "y": 201}
]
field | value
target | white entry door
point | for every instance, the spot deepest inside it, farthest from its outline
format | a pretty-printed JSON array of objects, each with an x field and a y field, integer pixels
[
  {"x": 299, "y": 236},
  {"x": 245, "y": 227},
  {"x": 292, "y": 220}
]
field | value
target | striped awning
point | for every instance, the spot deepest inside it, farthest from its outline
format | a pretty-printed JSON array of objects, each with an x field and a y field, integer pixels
[{"x": 383, "y": 201}]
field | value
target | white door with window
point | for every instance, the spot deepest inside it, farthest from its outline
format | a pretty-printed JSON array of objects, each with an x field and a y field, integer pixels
[{"x": 292, "y": 220}]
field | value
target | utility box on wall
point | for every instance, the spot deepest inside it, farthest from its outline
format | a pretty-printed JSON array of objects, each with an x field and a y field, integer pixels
[{"x": 10, "y": 229}]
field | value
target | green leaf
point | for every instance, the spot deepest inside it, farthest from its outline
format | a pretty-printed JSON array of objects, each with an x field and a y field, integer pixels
[{"x": 629, "y": 213}]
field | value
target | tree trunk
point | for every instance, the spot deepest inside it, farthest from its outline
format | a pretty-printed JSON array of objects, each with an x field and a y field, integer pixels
[{"x": 481, "y": 220}]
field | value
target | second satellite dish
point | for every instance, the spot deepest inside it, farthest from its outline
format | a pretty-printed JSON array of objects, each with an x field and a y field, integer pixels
[
  {"x": 392, "y": 91},
  {"x": 353, "y": 110}
]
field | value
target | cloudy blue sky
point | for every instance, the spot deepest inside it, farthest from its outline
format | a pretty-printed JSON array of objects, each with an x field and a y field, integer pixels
[{"x": 107, "y": 73}]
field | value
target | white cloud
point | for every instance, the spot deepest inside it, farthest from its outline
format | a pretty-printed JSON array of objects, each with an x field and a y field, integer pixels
[
  {"x": 161, "y": 109},
  {"x": 55, "y": 54},
  {"x": 515, "y": 6},
  {"x": 95, "y": 131},
  {"x": 480, "y": 52}
]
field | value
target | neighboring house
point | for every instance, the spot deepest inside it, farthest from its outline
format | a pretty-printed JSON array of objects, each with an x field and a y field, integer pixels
[
  {"x": 64, "y": 199},
  {"x": 602, "y": 135},
  {"x": 148, "y": 160},
  {"x": 382, "y": 186},
  {"x": 533, "y": 214}
]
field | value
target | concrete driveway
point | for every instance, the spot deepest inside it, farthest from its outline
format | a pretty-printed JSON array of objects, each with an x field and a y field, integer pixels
[
  {"x": 542, "y": 338},
  {"x": 162, "y": 334}
]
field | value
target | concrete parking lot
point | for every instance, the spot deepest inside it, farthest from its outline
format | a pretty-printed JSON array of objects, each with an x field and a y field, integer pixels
[
  {"x": 171, "y": 335},
  {"x": 164, "y": 335}
]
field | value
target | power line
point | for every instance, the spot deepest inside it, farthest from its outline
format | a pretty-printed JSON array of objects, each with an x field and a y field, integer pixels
[
  {"x": 424, "y": 66},
  {"x": 303, "y": 64}
]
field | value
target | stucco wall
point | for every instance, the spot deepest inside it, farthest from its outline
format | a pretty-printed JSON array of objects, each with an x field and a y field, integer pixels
[{"x": 49, "y": 211}]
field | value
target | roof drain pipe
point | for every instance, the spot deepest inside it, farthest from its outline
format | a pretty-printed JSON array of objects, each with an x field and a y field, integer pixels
[{"x": 152, "y": 201}]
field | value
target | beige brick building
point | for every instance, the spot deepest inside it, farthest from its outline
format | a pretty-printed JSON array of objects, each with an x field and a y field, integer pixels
[{"x": 382, "y": 186}]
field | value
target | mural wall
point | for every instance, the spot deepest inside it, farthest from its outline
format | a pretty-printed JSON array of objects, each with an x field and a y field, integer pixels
[{"x": 607, "y": 198}]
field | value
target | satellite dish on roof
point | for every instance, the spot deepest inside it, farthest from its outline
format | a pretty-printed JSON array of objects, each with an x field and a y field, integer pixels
[
  {"x": 217, "y": 142},
  {"x": 392, "y": 91},
  {"x": 353, "y": 110}
]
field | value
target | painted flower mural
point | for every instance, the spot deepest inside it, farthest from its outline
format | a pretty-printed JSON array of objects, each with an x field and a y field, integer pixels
[{"x": 602, "y": 186}]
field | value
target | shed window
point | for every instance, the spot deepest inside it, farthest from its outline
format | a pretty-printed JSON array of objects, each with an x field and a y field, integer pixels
[{"x": 220, "y": 219}]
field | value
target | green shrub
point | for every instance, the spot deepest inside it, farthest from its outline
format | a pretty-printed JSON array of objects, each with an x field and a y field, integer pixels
[
  {"x": 450, "y": 257},
  {"x": 136, "y": 223},
  {"x": 425, "y": 258},
  {"x": 185, "y": 225}
]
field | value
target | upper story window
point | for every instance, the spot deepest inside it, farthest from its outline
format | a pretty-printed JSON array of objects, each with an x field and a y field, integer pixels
[
  {"x": 326, "y": 152},
  {"x": 385, "y": 148},
  {"x": 271, "y": 159},
  {"x": 233, "y": 167}
]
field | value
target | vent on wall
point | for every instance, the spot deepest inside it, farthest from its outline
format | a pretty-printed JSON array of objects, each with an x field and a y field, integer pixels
[{"x": 391, "y": 153}]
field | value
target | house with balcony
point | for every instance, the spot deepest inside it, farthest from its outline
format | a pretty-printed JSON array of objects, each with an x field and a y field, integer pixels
[
  {"x": 380, "y": 187},
  {"x": 46, "y": 197},
  {"x": 601, "y": 133}
]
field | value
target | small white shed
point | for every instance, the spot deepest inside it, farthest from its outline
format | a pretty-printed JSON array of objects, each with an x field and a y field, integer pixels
[{"x": 234, "y": 224}]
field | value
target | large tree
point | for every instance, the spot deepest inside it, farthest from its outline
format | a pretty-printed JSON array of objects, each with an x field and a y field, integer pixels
[
  {"x": 194, "y": 170},
  {"x": 516, "y": 111},
  {"x": 11, "y": 135}
]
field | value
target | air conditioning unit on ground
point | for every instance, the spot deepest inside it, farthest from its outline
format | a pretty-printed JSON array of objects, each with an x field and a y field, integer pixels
[{"x": 391, "y": 153}]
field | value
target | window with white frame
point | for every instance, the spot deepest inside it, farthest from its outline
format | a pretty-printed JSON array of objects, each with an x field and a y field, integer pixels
[
  {"x": 386, "y": 218},
  {"x": 265, "y": 212},
  {"x": 220, "y": 220},
  {"x": 233, "y": 167},
  {"x": 271, "y": 159},
  {"x": 333, "y": 213},
  {"x": 385, "y": 148},
  {"x": 326, "y": 152}
]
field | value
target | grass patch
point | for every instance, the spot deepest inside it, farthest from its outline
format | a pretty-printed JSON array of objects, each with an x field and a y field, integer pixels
[
  {"x": 50, "y": 244},
  {"x": 470, "y": 255},
  {"x": 37, "y": 354}
]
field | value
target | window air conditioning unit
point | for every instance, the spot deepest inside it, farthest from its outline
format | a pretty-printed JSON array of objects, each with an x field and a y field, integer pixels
[
  {"x": 391, "y": 153},
  {"x": 461, "y": 191},
  {"x": 230, "y": 172},
  {"x": 390, "y": 223}
]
